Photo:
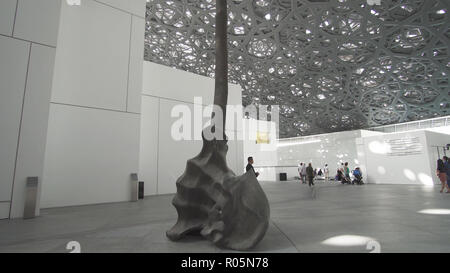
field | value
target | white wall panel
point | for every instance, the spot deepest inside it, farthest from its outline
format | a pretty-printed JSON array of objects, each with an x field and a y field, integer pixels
[
  {"x": 7, "y": 12},
  {"x": 92, "y": 57},
  {"x": 442, "y": 130},
  {"x": 263, "y": 154},
  {"x": 235, "y": 156},
  {"x": 172, "y": 154},
  {"x": 148, "y": 154},
  {"x": 136, "y": 7},
  {"x": 4, "y": 210},
  {"x": 93, "y": 143},
  {"x": 38, "y": 21},
  {"x": 231, "y": 157},
  {"x": 13, "y": 69},
  {"x": 90, "y": 156},
  {"x": 331, "y": 149},
  {"x": 368, "y": 133},
  {"x": 33, "y": 133},
  {"x": 234, "y": 94},
  {"x": 361, "y": 153},
  {"x": 234, "y": 120},
  {"x": 435, "y": 140},
  {"x": 360, "y": 150},
  {"x": 170, "y": 83},
  {"x": 241, "y": 161},
  {"x": 172, "y": 88},
  {"x": 383, "y": 168},
  {"x": 136, "y": 66}
]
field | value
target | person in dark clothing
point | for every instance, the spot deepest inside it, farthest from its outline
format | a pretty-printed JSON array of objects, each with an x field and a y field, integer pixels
[
  {"x": 447, "y": 166},
  {"x": 358, "y": 176},
  {"x": 441, "y": 172},
  {"x": 250, "y": 166},
  {"x": 339, "y": 175},
  {"x": 310, "y": 174}
]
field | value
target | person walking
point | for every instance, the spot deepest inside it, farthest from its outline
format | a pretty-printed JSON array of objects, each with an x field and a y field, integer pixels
[
  {"x": 310, "y": 174},
  {"x": 326, "y": 172},
  {"x": 300, "y": 167},
  {"x": 303, "y": 173},
  {"x": 441, "y": 172}
]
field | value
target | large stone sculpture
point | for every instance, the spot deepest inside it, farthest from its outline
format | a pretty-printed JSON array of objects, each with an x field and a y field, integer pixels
[{"x": 231, "y": 211}]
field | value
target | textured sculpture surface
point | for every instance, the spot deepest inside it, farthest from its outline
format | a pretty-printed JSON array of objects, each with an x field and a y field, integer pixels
[
  {"x": 331, "y": 65},
  {"x": 231, "y": 211}
]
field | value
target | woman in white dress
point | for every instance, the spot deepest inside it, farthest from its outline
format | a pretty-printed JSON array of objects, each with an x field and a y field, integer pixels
[{"x": 326, "y": 171}]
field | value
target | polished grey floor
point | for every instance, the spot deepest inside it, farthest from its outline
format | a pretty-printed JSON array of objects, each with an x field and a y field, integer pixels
[{"x": 302, "y": 219}]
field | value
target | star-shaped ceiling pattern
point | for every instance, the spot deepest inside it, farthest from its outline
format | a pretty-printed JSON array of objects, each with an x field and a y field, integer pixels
[{"x": 330, "y": 65}]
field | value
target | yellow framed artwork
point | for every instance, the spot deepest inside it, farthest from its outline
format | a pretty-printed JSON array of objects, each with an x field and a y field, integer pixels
[{"x": 262, "y": 138}]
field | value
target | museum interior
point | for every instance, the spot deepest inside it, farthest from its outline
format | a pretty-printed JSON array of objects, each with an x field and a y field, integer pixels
[{"x": 224, "y": 126}]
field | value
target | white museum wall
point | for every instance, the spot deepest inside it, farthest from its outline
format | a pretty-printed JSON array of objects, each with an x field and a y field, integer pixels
[
  {"x": 385, "y": 166},
  {"x": 93, "y": 55},
  {"x": 4, "y": 210},
  {"x": 442, "y": 130},
  {"x": 94, "y": 122},
  {"x": 90, "y": 155},
  {"x": 332, "y": 149},
  {"x": 367, "y": 133},
  {"x": 28, "y": 31},
  {"x": 436, "y": 141},
  {"x": 264, "y": 154},
  {"x": 33, "y": 135},
  {"x": 7, "y": 13},
  {"x": 134, "y": 7},
  {"x": 163, "y": 159},
  {"x": 13, "y": 68},
  {"x": 357, "y": 148},
  {"x": 361, "y": 153},
  {"x": 148, "y": 149}
]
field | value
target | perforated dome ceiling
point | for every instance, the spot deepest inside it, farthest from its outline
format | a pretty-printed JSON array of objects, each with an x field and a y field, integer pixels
[{"x": 330, "y": 65}]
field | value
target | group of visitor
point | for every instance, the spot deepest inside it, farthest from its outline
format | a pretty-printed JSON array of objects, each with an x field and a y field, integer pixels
[
  {"x": 308, "y": 173},
  {"x": 343, "y": 173},
  {"x": 443, "y": 172}
]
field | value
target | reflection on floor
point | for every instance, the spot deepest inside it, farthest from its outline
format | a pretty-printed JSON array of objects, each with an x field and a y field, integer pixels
[{"x": 330, "y": 218}]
